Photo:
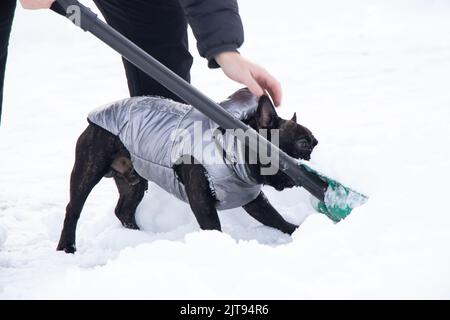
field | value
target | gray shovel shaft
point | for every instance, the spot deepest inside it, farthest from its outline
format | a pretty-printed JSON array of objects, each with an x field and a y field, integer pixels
[{"x": 88, "y": 21}]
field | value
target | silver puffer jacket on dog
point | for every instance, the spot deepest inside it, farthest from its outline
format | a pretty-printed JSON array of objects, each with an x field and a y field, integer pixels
[{"x": 159, "y": 132}]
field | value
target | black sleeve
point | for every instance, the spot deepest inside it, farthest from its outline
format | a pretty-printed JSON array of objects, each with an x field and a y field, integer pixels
[
  {"x": 217, "y": 26},
  {"x": 57, "y": 8}
]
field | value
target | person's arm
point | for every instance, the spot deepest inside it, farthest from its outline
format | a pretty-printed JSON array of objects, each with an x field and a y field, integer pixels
[
  {"x": 217, "y": 26},
  {"x": 218, "y": 29}
]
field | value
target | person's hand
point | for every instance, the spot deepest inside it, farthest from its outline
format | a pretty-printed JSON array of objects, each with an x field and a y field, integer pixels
[
  {"x": 256, "y": 78},
  {"x": 36, "y": 4}
]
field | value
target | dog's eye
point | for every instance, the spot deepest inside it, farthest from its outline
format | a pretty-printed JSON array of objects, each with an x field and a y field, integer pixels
[{"x": 302, "y": 144}]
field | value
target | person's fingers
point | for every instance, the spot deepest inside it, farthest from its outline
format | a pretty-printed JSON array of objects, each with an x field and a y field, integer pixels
[
  {"x": 253, "y": 86},
  {"x": 276, "y": 93},
  {"x": 269, "y": 83}
]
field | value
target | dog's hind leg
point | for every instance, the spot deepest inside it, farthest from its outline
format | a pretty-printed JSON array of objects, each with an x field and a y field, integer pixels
[
  {"x": 93, "y": 159},
  {"x": 130, "y": 197}
]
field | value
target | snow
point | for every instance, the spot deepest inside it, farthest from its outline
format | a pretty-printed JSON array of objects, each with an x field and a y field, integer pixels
[
  {"x": 3, "y": 235},
  {"x": 369, "y": 78}
]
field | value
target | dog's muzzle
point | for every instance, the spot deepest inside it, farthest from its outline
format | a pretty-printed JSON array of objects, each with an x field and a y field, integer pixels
[{"x": 304, "y": 149}]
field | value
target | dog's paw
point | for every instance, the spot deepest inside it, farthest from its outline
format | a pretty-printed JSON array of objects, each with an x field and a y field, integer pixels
[
  {"x": 130, "y": 225},
  {"x": 66, "y": 248}
]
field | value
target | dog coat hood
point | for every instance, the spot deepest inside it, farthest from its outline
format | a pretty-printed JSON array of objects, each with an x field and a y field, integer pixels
[{"x": 159, "y": 132}]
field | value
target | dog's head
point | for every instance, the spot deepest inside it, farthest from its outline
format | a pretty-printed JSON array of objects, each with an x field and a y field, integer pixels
[{"x": 294, "y": 139}]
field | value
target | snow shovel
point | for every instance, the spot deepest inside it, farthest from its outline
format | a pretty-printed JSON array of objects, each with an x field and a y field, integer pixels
[{"x": 333, "y": 199}]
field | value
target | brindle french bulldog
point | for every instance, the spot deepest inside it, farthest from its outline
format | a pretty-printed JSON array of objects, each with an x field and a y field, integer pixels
[{"x": 101, "y": 154}]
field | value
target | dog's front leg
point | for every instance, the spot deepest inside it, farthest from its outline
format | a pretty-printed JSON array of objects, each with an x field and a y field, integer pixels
[
  {"x": 201, "y": 199},
  {"x": 262, "y": 210}
]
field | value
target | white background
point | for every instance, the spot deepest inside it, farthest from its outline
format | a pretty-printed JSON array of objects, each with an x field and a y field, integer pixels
[{"x": 369, "y": 78}]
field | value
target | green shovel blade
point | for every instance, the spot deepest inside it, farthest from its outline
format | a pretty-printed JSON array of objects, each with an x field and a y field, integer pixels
[{"x": 339, "y": 199}]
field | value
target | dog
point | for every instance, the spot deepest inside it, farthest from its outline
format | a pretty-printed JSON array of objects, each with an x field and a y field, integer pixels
[{"x": 111, "y": 153}]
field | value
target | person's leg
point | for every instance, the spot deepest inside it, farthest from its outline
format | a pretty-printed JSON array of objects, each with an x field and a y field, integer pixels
[
  {"x": 7, "y": 8},
  {"x": 160, "y": 28}
]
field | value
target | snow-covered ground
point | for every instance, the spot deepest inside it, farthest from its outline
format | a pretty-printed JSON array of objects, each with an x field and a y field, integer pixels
[{"x": 370, "y": 78}]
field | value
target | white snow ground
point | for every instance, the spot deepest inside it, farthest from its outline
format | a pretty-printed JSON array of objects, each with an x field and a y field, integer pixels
[{"x": 370, "y": 78}]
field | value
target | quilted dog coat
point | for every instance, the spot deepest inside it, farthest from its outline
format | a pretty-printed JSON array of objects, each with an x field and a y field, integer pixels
[{"x": 160, "y": 133}]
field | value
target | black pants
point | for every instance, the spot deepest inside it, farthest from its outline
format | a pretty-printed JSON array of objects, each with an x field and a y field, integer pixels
[
  {"x": 7, "y": 8},
  {"x": 160, "y": 28},
  {"x": 157, "y": 26}
]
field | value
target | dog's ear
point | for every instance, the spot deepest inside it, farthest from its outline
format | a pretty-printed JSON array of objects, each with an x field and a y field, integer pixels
[
  {"x": 294, "y": 118},
  {"x": 266, "y": 115}
]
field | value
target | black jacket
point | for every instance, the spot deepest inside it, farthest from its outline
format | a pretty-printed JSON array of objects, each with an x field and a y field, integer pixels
[{"x": 216, "y": 24}]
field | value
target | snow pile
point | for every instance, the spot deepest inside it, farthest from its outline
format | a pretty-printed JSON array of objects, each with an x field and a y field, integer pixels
[
  {"x": 3, "y": 236},
  {"x": 371, "y": 81}
]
